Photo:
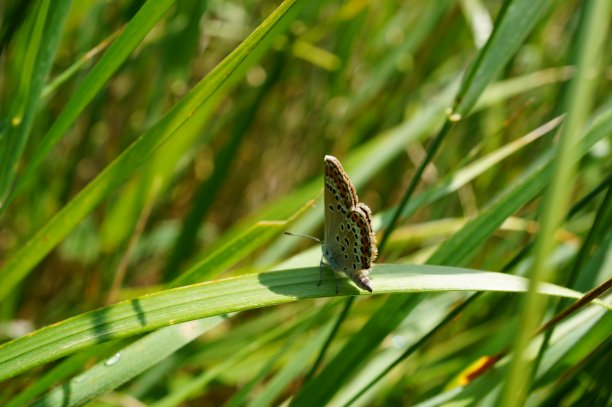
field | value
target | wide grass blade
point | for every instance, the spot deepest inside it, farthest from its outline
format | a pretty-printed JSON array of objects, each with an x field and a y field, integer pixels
[{"x": 236, "y": 294}]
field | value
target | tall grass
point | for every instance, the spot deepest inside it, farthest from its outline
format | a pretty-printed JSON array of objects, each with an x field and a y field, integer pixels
[{"x": 152, "y": 155}]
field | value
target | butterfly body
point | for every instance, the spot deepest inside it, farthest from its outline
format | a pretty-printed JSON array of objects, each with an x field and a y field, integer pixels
[{"x": 350, "y": 243}]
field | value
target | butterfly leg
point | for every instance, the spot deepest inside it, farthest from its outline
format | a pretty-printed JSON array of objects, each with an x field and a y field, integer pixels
[
  {"x": 337, "y": 283},
  {"x": 321, "y": 272},
  {"x": 321, "y": 264}
]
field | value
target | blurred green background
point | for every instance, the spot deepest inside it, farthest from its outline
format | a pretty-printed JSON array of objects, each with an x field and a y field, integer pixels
[{"x": 126, "y": 170}]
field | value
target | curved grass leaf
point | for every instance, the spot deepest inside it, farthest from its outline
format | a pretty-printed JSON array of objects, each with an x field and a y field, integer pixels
[
  {"x": 236, "y": 294},
  {"x": 253, "y": 238},
  {"x": 96, "y": 380}
]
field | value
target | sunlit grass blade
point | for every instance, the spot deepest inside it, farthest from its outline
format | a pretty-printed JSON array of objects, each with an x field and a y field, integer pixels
[
  {"x": 524, "y": 190},
  {"x": 592, "y": 35},
  {"x": 236, "y": 294},
  {"x": 79, "y": 64},
  {"x": 464, "y": 175},
  {"x": 595, "y": 236}
]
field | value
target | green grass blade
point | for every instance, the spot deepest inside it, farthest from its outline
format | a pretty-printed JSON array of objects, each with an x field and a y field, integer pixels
[
  {"x": 468, "y": 173},
  {"x": 587, "y": 326},
  {"x": 524, "y": 190},
  {"x": 593, "y": 33},
  {"x": 280, "y": 330},
  {"x": 253, "y": 238},
  {"x": 38, "y": 58},
  {"x": 127, "y": 363},
  {"x": 603, "y": 218},
  {"x": 413, "y": 331},
  {"x": 138, "y": 152},
  {"x": 63, "y": 370},
  {"x": 291, "y": 370},
  {"x": 354, "y": 353},
  {"x": 236, "y": 294},
  {"x": 77, "y": 66},
  {"x": 514, "y": 23}
]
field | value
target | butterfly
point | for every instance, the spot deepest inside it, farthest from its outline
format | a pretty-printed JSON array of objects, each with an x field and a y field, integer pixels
[{"x": 350, "y": 244}]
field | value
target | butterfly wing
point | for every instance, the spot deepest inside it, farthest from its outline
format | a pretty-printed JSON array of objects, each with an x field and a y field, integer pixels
[
  {"x": 350, "y": 243},
  {"x": 370, "y": 241},
  {"x": 339, "y": 197}
]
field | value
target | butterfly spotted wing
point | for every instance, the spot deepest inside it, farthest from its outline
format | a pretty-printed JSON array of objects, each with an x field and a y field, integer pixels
[{"x": 350, "y": 243}]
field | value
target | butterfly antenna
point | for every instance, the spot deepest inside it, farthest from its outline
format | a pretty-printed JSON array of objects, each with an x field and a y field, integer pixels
[{"x": 306, "y": 236}]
